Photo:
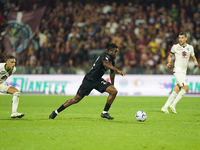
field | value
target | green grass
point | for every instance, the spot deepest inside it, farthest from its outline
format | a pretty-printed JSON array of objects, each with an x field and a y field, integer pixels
[{"x": 81, "y": 127}]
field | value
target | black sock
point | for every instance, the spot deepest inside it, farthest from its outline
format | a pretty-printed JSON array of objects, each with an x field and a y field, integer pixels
[
  {"x": 61, "y": 108},
  {"x": 107, "y": 107}
]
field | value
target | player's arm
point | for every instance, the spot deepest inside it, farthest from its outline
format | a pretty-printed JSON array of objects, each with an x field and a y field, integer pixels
[
  {"x": 195, "y": 60},
  {"x": 193, "y": 56},
  {"x": 169, "y": 60},
  {"x": 111, "y": 67},
  {"x": 112, "y": 76}
]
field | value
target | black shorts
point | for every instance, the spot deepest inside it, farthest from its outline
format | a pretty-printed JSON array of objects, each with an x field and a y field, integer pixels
[{"x": 87, "y": 86}]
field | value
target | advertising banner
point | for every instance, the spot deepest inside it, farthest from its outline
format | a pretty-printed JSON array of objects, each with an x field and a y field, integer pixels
[{"x": 129, "y": 85}]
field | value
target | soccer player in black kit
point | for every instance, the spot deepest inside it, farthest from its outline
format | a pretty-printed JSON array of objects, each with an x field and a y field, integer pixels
[{"x": 94, "y": 80}]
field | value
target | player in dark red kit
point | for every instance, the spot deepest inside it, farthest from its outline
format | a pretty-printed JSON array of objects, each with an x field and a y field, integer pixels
[{"x": 94, "y": 80}]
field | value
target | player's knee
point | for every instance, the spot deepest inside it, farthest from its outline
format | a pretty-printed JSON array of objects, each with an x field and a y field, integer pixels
[
  {"x": 177, "y": 90},
  {"x": 16, "y": 94},
  {"x": 186, "y": 88},
  {"x": 114, "y": 91},
  {"x": 76, "y": 100}
]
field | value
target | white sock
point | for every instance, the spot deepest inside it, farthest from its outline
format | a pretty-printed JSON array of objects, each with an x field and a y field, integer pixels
[
  {"x": 15, "y": 102},
  {"x": 104, "y": 112},
  {"x": 56, "y": 111},
  {"x": 179, "y": 96},
  {"x": 170, "y": 99}
]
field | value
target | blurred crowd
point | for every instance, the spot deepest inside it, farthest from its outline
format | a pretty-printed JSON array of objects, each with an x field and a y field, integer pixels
[{"x": 143, "y": 30}]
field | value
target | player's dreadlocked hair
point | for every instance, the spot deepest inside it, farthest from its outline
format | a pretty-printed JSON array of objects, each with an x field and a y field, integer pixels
[
  {"x": 107, "y": 46},
  {"x": 110, "y": 46}
]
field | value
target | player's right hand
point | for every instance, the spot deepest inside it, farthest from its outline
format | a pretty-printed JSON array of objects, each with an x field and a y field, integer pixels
[{"x": 196, "y": 64}]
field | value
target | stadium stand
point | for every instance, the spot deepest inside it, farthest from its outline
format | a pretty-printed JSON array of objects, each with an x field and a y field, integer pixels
[{"x": 72, "y": 33}]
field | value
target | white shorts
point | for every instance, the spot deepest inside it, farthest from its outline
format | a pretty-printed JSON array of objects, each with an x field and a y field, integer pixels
[
  {"x": 181, "y": 79},
  {"x": 4, "y": 87}
]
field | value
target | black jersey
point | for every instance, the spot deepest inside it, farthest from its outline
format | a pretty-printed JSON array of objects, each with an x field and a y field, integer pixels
[{"x": 98, "y": 69}]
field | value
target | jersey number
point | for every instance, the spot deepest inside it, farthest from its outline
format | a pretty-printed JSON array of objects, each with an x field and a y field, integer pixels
[{"x": 103, "y": 82}]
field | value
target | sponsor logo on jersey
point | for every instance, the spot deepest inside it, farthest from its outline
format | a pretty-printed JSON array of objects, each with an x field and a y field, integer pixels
[{"x": 184, "y": 54}]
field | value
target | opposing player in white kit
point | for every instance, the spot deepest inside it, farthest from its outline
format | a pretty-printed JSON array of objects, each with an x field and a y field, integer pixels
[
  {"x": 182, "y": 52},
  {"x": 6, "y": 69}
]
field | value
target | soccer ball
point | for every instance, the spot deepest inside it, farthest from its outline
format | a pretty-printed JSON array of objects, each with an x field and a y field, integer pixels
[{"x": 141, "y": 116}]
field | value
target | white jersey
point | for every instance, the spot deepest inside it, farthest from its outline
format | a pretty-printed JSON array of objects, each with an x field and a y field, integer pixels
[
  {"x": 4, "y": 74},
  {"x": 182, "y": 56}
]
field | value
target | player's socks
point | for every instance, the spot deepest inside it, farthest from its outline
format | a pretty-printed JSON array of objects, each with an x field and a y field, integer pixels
[
  {"x": 55, "y": 112},
  {"x": 171, "y": 98},
  {"x": 15, "y": 102},
  {"x": 104, "y": 112},
  {"x": 106, "y": 108},
  {"x": 61, "y": 108},
  {"x": 178, "y": 97},
  {"x": 53, "y": 115}
]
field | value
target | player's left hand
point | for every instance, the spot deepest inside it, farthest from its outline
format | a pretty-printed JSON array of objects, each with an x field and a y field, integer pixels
[{"x": 121, "y": 72}]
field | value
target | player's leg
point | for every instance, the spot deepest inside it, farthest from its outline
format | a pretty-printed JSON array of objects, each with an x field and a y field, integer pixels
[
  {"x": 183, "y": 91},
  {"x": 84, "y": 89},
  {"x": 182, "y": 82},
  {"x": 112, "y": 94},
  {"x": 171, "y": 98},
  {"x": 68, "y": 103},
  {"x": 15, "y": 101}
]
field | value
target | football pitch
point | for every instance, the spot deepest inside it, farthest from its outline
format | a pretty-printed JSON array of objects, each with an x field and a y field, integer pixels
[{"x": 81, "y": 127}]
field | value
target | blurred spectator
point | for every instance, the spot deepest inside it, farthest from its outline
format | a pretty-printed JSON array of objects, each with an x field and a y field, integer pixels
[
  {"x": 42, "y": 36},
  {"x": 2, "y": 21},
  {"x": 28, "y": 67},
  {"x": 74, "y": 33},
  {"x": 118, "y": 39},
  {"x": 141, "y": 68},
  {"x": 111, "y": 26},
  {"x": 151, "y": 64},
  {"x": 130, "y": 61},
  {"x": 3, "y": 55},
  {"x": 140, "y": 20},
  {"x": 174, "y": 12},
  {"x": 141, "y": 42},
  {"x": 162, "y": 67},
  {"x": 153, "y": 45},
  {"x": 31, "y": 54},
  {"x": 38, "y": 68},
  {"x": 197, "y": 32}
]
